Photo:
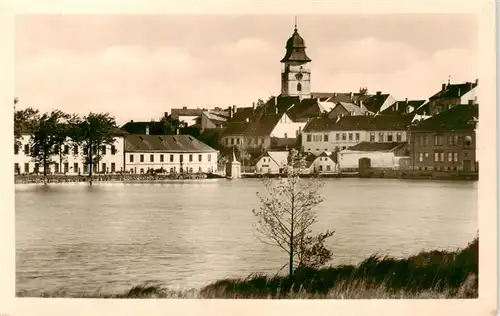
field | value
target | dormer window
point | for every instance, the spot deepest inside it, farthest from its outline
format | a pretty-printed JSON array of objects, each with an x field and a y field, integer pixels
[{"x": 299, "y": 87}]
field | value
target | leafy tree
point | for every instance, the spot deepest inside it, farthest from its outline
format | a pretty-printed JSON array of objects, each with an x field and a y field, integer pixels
[
  {"x": 92, "y": 132},
  {"x": 286, "y": 216},
  {"x": 24, "y": 121},
  {"x": 44, "y": 138},
  {"x": 62, "y": 132}
]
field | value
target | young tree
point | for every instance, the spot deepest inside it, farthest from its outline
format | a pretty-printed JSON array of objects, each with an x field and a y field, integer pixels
[
  {"x": 24, "y": 121},
  {"x": 44, "y": 138},
  {"x": 286, "y": 216},
  {"x": 62, "y": 133},
  {"x": 92, "y": 132}
]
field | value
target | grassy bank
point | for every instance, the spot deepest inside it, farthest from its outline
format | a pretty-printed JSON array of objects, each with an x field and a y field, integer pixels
[{"x": 434, "y": 274}]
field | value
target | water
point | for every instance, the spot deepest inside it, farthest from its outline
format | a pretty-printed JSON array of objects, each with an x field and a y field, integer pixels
[{"x": 112, "y": 236}]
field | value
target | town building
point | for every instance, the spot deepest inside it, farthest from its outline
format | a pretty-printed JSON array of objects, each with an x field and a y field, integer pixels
[
  {"x": 375, "y": 155},
  {"x": 446, "y": 141},
  {"x": 347, "y": 109},
  {"x": 296, "y": 68},
  {"x": 71, "y": 161},
  {"x": 326, "y": 134},
  {"x": 272, "y": 162},
  {"x": 326, "y": 162},
  {"x": 453, "y": 94},
  {"x": 168, "y": 153},
  {"x": 405, "y": 107}
]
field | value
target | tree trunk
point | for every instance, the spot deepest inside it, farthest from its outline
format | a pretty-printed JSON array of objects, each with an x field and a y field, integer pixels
[
  {"x": 290, "y": 273},
  {"x": 45, "y": 168},
  {"x": 60, "y": 159},
  {"x": 91, "y": 164}
]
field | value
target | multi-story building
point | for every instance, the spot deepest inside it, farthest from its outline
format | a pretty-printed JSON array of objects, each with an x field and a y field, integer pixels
[
  {"x": 446, "y": 141},
  {"x": 451, "y": 95},
  {"x": 325, "y": 134},
  {"x": 169, "y": 153},
  {"x": 72, "y": 159}
]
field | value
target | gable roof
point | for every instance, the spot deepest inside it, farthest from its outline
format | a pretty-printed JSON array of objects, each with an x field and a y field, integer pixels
[
  {"x": 375, "y": 102},
  {"x": 235, "y": 128},
  {"x": 185, "y": 112},
  {"x": 353, "y": 108},
  {"x": 165, "y": 143},
  {"x": 403, "y": 107},
  {"x": 459, "y": 117},
  {"x": 327, "y": 154},
  {"x": 359, "y": 122},
  {"x": 450, "y": 91},
  {"x": 369, "y": 146}
]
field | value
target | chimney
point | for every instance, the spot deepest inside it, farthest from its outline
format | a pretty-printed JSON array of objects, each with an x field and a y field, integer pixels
[
  {"x": 477, "y": 81},
  {"x": 275, "y": 101},
  {"x": 165, "y": 115},
  {"x": 350, "y": 96},
  {"x": 253, "y": 106},
  {"x": 147, "y": 129},
  {"x": 458, "y": 91},
  {"x": 335, "y": 94},
  {"x": 234, "y": 109},
  {"x": 184, "y": 107},
  {"x": 379, "y": 92},
  {"x": 406, "y": 101},
  {"x": 229, "y": 112},
  {"x": 397, "y": 106},
  {"x": 443, "y": 87},
  {"x": 471, "y": 102}
]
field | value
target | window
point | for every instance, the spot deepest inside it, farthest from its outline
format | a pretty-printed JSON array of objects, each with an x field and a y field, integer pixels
[
  {"x": 113, "y": 167},
  {"x": 190, "y": 158},
  {"x": 237, "y": 141},
  {"x": 75, "y": 150},
  {"x": 350, "y": 136},
  {"x": 16, "y": 168},
  {"x": 56, "y": 168},
  {"x": 438, "y": 140},
  {"x": 227, "y": 141},
  {"x": 131, "y": 158},
  {"x": 171, "y": 158},
  {"x": 328, "y": 168},
  {"x": 113, "y": 149},
  {"x": 151, "y": 158},
  {"x": 66, "y": 149},
  {"x": 142, "y": 170},
  {"x": 421, "y": 157},
  {"x": 450, "y": 155},
  {"x": 399, "y": 137},
  {"x": 436, "y": 157},
  {"x": 455, "y": 157},
  {"x": 16, "y": 149},
  {"x": 171, "y": 170},
  {"x": 344, "y": 136},
  {"x": 26, "y": 149},
  {"x": 262, "y": 140},
  {"x": 199, "y": 158},
  {"x": 439, "y": 156},
  {"x": 37, "y": 168},
  {"x": 103, "y": 166},
  {"x": 191, "y": 170},
  {"x": 455, "y": 139},
  {"x": 426, "y": 155},
  {"x": 325, "y": 137},
  {"x": 299, "y": 87},
  {"x": 103, "y": 150},
  {"x": 141, "y": 158},
  {"x": 26, "y": 167},
  {"x": 308, "y": 137},
  {"x": 372, "y": 137},
  {"x": 426, "y": 140},
  {"x": 337, "y": 136},
  {"x": 381, "y": 137},
  {"x": 85, "y": 168},
  {"x": 389, "y": 137},
  {"x": 343, "y": 147},
  {"x": 450, "y": 140},
  {"x": 209, "y": 157},
  {"x": 357, "y": 136},
  {"x": 232, "y": 141},
  {"x": 75, "y": 167},
  {"x": 66, "y": 167},
  {"x": 417, "y": 140},
  {"x": 320, "y": 168},
  {"x": 181, "y": 158}
]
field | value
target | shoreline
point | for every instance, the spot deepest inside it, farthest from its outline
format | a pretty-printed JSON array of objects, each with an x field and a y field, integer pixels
[{"x": 39, "y": 179}]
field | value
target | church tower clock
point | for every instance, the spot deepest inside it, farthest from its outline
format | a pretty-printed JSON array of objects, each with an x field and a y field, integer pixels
[{"x": 296, "y": 69}]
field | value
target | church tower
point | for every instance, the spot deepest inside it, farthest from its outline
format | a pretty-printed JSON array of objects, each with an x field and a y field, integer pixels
[{"x": 296, "y": 69}]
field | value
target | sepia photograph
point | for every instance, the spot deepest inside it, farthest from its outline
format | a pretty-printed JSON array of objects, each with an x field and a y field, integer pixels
[{"x": 248, "y": 156}]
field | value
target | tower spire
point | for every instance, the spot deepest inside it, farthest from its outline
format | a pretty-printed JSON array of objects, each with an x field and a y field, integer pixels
[{"x": 295, "y": 29}]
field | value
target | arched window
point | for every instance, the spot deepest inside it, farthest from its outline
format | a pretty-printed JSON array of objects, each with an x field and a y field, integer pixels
[{"x": 299, "y": 87}]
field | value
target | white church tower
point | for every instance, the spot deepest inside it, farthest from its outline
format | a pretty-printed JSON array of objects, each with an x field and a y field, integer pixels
[{"x": 296, "y": 69}]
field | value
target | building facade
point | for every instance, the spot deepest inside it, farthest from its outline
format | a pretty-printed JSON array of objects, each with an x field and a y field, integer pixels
[
  {"x": 169, "y": 154},
  {"x": 379, "y": 155},
  {"x": 446, "y": 141},
  {"x": 451, "y": 95},
  {"x": 72, "y": 162}
]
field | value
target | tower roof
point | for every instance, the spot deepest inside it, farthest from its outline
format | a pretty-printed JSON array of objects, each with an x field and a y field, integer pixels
[{"x": 295, "y": 48}]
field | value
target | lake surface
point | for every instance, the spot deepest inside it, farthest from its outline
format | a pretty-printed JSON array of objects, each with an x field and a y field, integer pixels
[{"x": 112, "y": 236}]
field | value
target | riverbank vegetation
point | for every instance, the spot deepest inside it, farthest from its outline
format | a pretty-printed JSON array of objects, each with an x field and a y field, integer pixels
[{"x": 433, "y": 274}]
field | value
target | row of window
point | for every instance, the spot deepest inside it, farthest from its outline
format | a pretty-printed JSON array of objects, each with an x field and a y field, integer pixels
[
  {"x": 440, "y": 156},
  {"x": 250, "y": 141},
  {"x": 171, "y": 158},
  {"x": 65, "y": 168},
  {"x": 103, "y": 150},
  {"x": 174, "y": 170},
  {"x": 452, "y": 140},
  {"x": 356, "y": 136}
]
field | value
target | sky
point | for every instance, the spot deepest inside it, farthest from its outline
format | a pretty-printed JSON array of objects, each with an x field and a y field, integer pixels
[{"x": 136, "y": 67}]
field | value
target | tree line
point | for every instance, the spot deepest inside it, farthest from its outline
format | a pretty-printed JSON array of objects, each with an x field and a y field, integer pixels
[{"x": 52, "y": 133}]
